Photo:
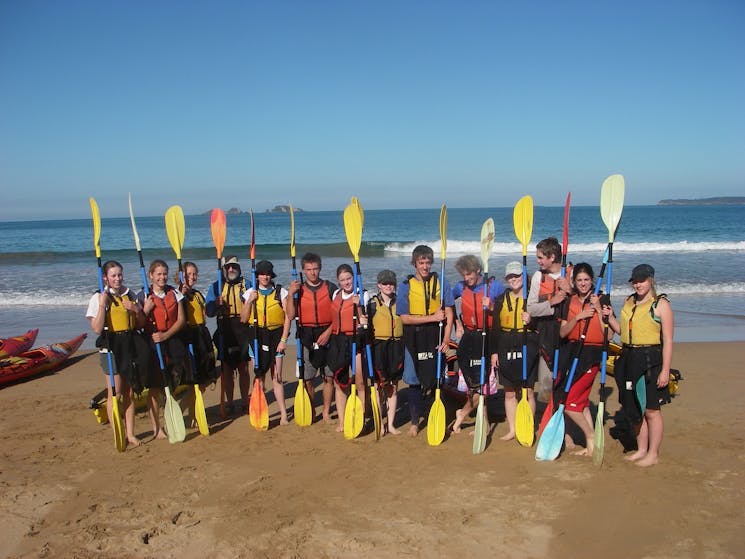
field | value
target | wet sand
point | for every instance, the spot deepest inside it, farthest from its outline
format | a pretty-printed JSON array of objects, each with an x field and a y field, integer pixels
[{"x": 307, "y": 492}]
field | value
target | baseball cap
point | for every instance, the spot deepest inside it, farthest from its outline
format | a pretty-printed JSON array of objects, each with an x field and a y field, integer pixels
[{"x": 642, "y": 272}]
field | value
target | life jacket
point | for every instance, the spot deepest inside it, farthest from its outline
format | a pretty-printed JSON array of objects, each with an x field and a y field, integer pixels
[
  {"x": 165, "y": 312},
  {"x": 269, "y": 309},
  {"x": 195, "y": 308},
  {"x": 424, "y": 296},
  {"x": 232, "y": 296},
  {"x": 511, "y": 312},
  {"x": 639, "y": 325},
  {"x": 343, "y": 315},
  {"x": 119, "y": 319},
  {"x": 385, "y": 322},
  {"x": 315, "y": 305},
  {"x": 594, "y": 331},
  {"x": 471, "y": 310}
]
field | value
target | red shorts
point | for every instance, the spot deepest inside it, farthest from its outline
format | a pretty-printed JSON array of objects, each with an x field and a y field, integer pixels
[{"x": 579, "y": 393}]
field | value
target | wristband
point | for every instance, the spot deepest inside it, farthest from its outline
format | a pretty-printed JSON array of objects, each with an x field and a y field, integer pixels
[{"x": 283, "y": 340}]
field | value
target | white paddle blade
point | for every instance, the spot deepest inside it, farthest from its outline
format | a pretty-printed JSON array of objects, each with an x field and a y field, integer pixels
[
  {"x": 487, "y": 243},
  {"x": 611, "y": 203}
]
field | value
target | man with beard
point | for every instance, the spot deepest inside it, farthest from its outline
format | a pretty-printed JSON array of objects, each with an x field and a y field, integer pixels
[{"x": 232, "y": 337}]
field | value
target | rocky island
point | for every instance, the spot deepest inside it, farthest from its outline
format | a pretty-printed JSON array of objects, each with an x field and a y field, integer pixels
[{"x": 717, "y": 201}]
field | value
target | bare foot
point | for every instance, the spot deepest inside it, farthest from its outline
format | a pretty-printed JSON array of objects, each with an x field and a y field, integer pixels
[
  {"x": 584, "y": 451},
  {"x": 283, "y": 421},
  {"x": 161, "y": 435},
  {"x": 569, "y": 443},
  {"x": 648, "y": 460},
  {"x": 508, "y": 437},
  {"x": 638, "y": 455},
  {"x": 393, "y": 431},
  {"x": 327, "y": 417},
  {"x": 413, "y": 431},
  {"x": 133, "y": 441},
  {"x": 340, "y": 429}
]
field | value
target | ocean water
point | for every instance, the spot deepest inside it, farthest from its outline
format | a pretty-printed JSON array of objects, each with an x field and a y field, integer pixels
[{"x": 48, "y": 268}]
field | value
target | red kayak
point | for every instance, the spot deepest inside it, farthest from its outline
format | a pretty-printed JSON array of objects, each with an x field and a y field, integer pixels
[
  {"x": 37, "y": 361},
  {"x": 17, "y": 344}
]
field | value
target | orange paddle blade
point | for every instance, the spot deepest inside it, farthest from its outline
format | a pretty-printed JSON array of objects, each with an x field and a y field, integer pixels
[
  {"x": 258, "y": 410},
  {"x": 218, "y": 227}
]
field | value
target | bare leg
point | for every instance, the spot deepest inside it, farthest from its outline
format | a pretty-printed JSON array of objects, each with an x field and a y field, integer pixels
[
  {"x": 279, "y": 390},
  {"x": 654, "y": 431},
  {"x": 510, "y": 409},
  {"x": 391, "y": 404},
  {"x": 584, "y": 422},
  {"x": 642, "y": 441},
  {"x": 244, "y": 383},
  {"x": 125, "y": 390},
  {"x": 328, "y": 396},
  {"x": 228, "y": 384},
  {"x": 464, "y": 412},
  {"x": 341, "y": 406},
  {"x": 359, "y": 381},
  {"x": 153, "y": 401}
]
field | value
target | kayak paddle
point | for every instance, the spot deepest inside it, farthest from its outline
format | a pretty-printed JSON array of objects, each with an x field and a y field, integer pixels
[
  {"x": 218, "y": 228},
  {"x": 258, "y": 410},
  {"x": 176, "y": 232},
  {"x": 354, "y": 414},
  {"x": 436, "y": 419},
  {"x": 523, "y": 222},
  {"x": 119, "y": 437},
  {"x": 303, "y": 409},
  {"x": 565, "y": 242},
  {"x": 482, "y": 421},
  {"x": 172, "y": 413}
]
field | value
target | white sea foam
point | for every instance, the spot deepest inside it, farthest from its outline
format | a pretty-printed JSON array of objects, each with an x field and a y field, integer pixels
[{"x": 474, "y": 247}]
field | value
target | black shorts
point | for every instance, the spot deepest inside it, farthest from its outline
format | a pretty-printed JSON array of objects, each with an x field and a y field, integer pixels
[
  {"x": 268, "y": 340},
  {"x": 388, "y": 359},
  {"x": 340, "y": 356},
  {"x": 637, "y": 363},
  {"x": 421, "y": 342},
  {"x": 317, "y": 355},
  {"x": 232, "y": 339},
  {"x": 472, "y": 346},
  {"x": 510, "y": 353},
  {"x": 201, "y": 354}
]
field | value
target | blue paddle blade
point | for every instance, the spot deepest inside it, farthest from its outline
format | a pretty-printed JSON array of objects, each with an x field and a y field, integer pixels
[{"x": 549, "y": 445}]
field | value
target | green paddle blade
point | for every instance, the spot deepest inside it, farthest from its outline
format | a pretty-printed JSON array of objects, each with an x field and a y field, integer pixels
[
  {"x": 174, "y": 419},
  {"x": 482, "y": 427},
  {"x": 524, "y": 423},
  {"x": 120, "y": 440},
  {"x": 175, "y": 229},
  {"x": 303, "y": 409},
  {"x": 522, "y": 218},
  {"x": 487, "y": 243},
  {"x": 353, "y": 229},
  {"x": 611, "y": 203},
  {"x": 375, "y": 405},
  {"x": 599, "y": 439},
  {"x": 199, "y": 412},
  {"x": 436, "y": 420},
  {"x": 354, "y": 416}
]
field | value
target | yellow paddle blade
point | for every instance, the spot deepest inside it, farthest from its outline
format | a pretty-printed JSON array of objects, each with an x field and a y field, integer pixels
[
  {"x": 356, "y": 203},
  {"x": 96, "y": 214},
  {"x": 199, "y": 412},
  {"x": 353, "y": 229},
  {"x": 599, "y": 439},
  {"x": 375, "y": 405},
  {"x": 524, "y": 425},
  {"x": 174, "y": 419},
  {"x": 120, "y": 440},
  {"x": 611, "y": 203},
  {"x": 292, "y": 232},
  {"x": 303, "y": 408},
  {"x": 487, "y": 243},
  {"x": 443, "y": 232},
  {"x": 175, "y": 229},
  {"x": 482, "y": 427},
  {"x": 217, "y": 228},
  {"x": 354, "y": 416},
  {"x": 436, "y": 421},
  {"x": 522, "y": 218}
]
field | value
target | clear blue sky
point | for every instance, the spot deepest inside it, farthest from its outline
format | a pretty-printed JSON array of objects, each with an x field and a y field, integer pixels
[{"x": 403, "y": 103}]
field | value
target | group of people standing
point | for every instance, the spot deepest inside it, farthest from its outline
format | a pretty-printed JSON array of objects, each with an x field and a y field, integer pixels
[{"x": 158, "y": 337}]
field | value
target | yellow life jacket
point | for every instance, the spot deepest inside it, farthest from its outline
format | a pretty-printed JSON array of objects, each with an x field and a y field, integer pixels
[
  {"x": 639, "y": 326},
  {"x": 232, "y": 296},
  {"x": 195, "y": 309},
  {"x": 269, "y": 309},
  {"x": 424, "y": 296},
  {"x": 119, "y": 319},
  {"x": 385, "y": 322},
  {"x": 511, "y": 312}
]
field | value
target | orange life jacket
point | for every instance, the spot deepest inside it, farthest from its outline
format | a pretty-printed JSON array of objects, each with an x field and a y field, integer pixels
[
  {"x": 315, "y": 305},
  {"x": 471, "y": 311},
  {"x": 165, "y": 313},
  {"x": 343, "y": 321},
  {"x": 594, "y": 331}
]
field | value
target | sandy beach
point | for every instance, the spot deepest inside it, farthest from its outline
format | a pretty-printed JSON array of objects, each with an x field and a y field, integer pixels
[{"x": 307, "y": 492}]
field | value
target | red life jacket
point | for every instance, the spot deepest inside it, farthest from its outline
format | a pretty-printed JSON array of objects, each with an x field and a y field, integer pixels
[
  {"x": 594, "y": 331},
  {"x": 315, "y": 305},
  {"x": 343, "y": 318},
  {"x": 471, "y": 311},
  {"x": 165, "y": 313}
]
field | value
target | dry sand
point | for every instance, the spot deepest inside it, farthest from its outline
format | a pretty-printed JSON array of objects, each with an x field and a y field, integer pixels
[{"x": 292, "y": 492}]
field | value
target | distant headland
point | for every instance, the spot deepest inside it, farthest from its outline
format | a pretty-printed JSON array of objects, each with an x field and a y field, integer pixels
[
  {"x": 275, "y": 209},
  {"x": 717, "y": 201}
]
